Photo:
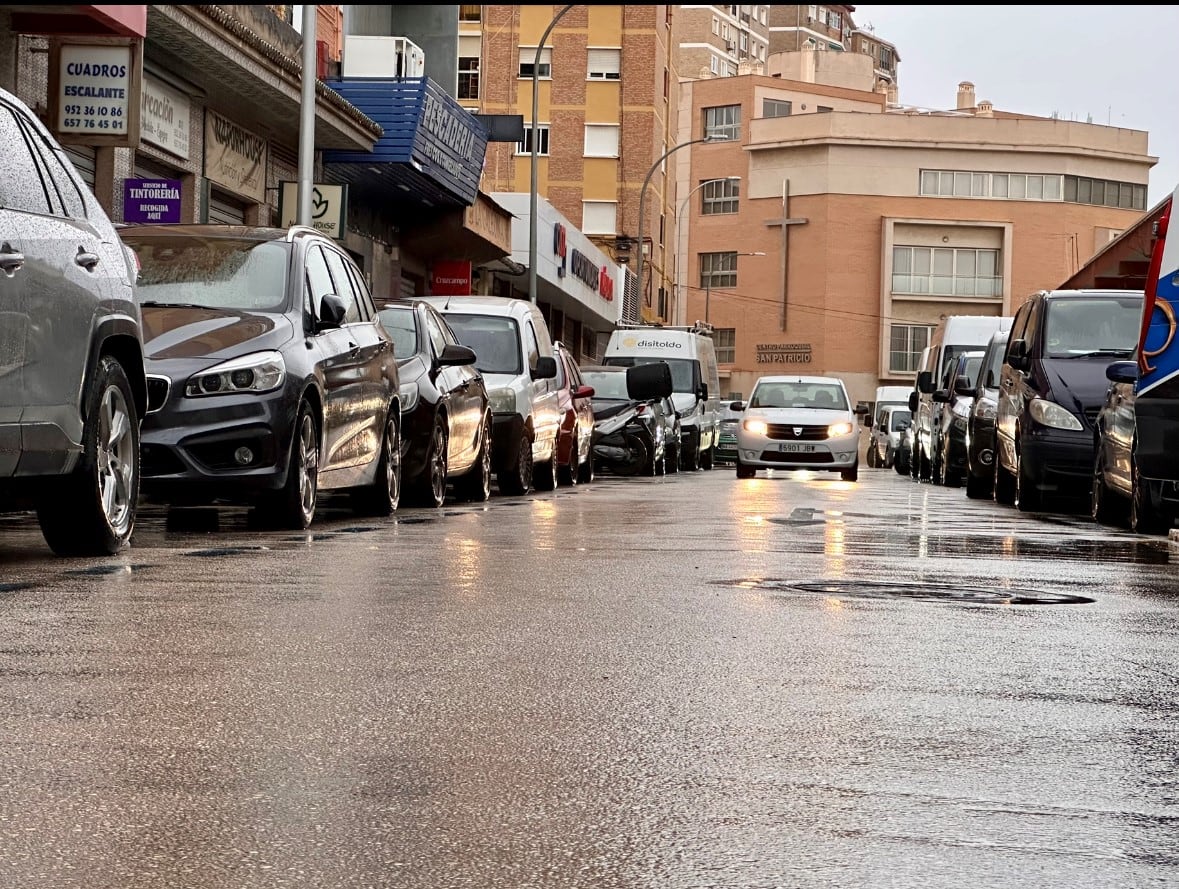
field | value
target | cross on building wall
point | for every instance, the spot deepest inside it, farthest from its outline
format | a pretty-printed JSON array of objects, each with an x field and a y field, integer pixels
[{"x": 785, "y": 221}]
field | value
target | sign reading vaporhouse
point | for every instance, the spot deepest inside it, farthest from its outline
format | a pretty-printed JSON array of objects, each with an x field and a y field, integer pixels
[
  {"x": 235, "y": 158},
  {"x": 329, "y": 207},
  {"x": 94, "y": 92},
  {"x": 163, "y": 117},
  {"x": 151, "y": 200}
]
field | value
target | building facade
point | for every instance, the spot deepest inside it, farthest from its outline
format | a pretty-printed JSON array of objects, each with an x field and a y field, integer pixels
[
  {"x": 830, "y": 232},
  {"x": 720, "y": 41}
]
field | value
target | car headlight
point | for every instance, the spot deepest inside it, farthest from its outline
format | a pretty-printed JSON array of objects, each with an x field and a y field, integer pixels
[
  {"x": 837, "y": 429},
  {"x": 1049, "y": 413},
  {"x": 409, "y": 396},
  {"x": 258, "y": 372},
  {"x": 985, "y": 410},
  {"x": 757, "y": 427},
  {"x": 502, "y": 401}
]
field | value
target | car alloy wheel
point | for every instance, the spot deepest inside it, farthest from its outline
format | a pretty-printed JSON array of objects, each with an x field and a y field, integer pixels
[
  {"x": 432, "y": 482},
  {"x": 383, "y": 496},
  {"x": 476, "y": 485},
  {"x": 1145, "y": 515},
  {"x": 1101, "y": 505}
]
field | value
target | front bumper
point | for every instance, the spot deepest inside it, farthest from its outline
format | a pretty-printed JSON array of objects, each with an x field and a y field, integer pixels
[
  {"x": 506, "y": 431},
  {"x": 1058, "y": 461},
  {"x": 192, "y": 449},
  {"x": 765, "y": 453}
]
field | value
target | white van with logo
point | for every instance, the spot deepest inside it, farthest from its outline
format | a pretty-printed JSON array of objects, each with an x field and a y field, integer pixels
[{"x": 689, "y": 353}]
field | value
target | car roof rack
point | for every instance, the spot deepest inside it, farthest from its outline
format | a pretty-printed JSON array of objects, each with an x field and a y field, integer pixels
[
  {"x": 297, "y": 231},
  {"x": 702, "y": 327}
]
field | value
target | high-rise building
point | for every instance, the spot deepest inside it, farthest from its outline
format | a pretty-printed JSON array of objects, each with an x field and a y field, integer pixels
[{"x": 720, "y": 41}]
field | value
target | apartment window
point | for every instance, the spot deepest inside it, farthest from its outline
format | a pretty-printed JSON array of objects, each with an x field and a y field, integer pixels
[
  {"x": 946, "y": 271},
  {"x": 604, "y": 64},
  {"x": 835, "y": 21},
  {"x": 776, "y": 108},
  {"x": 886, "y": 58},
  {"x": 823, "y": 108},
  {"x": 713, "y": 64},
  {"x": 716, "y": 25},
  {"x": 599, "y": 217},
  {"x": 720, "y": 196},
  {"x": 1102, "y": 192},
  {"x": 542, "y": 144},
  {"x": 470, "y": 13},
  {"x": 906, "y": 342},
  {"x": 744, "y": 42},
  {"x": 468, "y": 77},
  {"x": 968, "y": 184},
  {"x": 812, "y": 13},
  {"x": 528, "y": 58},
  {"x": 601, "y": 140},
  {"x": 718, "y": 270},
  {"x": 724, "y": 343},
  {"x": 666, "y": 83},
  {"x": 723, "y": 122}
]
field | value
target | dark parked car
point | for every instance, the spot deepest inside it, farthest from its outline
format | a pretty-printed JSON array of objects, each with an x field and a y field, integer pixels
[
  {"x": 980, "y": 427},
  {"x": 640, "y": 446},
  {"x": 270, "y": 377},
  {"x": 950, "y": 436},
  {"x": 1052, "y": 386},
  {"x": 445, "y": 415},
  {"x": 575, "y": 461},
  {"x": 725, "y": 451},
  {"x": 72, "y": 387}
]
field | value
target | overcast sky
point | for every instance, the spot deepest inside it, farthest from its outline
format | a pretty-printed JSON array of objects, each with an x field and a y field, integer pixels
[{"x": 1110, "y": 63}]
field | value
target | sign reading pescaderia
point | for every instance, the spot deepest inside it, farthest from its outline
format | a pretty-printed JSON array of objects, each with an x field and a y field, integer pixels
[
  {"x": 235, "y": 158},
  {"x": 163, "y": 117},
  {"x": 783, "y": 353},
  {"x": 94, "y": 91},
  {"x": 329, "y": 207}
]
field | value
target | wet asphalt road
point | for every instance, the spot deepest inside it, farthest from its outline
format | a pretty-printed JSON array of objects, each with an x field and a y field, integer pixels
[{"x": 661, "y": 683}]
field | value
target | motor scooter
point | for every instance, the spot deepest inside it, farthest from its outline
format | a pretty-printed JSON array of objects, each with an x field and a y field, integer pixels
[{"x": 629, "y": 435}]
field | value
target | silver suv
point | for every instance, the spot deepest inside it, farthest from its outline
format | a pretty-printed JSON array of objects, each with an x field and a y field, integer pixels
[{"x": 72, "y": 386}]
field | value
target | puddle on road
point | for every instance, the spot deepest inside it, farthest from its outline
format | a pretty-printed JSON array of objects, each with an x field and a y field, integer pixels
[
  {"x": 104, "y": 570},
  {"x": 14, "y": 587},
  {"x": 226, "y": 551},
  {"x": 919, "y": 591}
]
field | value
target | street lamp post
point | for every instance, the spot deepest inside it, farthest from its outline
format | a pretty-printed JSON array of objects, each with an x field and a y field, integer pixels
[
  {"x": 643, "y": 195},
  {"x": 535, "y": 144},
  {"x": 678, "y": 217},
  {"x": 708, "y": 283}
]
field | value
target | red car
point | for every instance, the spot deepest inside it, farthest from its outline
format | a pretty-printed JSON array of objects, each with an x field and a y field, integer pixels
[{"x": 574, "y": 458}]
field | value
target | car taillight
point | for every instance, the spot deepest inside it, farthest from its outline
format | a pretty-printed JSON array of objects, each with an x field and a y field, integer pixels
[{"x": 643, "y": 410}]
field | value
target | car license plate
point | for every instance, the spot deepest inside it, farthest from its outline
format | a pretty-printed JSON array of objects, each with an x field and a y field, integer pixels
[{"x": 789, "y": 447}]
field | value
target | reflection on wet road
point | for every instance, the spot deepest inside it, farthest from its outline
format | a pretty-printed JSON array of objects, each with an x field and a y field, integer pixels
[{"x": 669, "y": 682}]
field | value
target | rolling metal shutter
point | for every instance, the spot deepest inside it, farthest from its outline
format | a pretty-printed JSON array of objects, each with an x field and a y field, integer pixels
[
  {"x": 83, "y": 157},
  {"x": 225, "y": 211}
]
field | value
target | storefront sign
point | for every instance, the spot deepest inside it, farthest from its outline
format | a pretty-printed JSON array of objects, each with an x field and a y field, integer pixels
[
  {"x": 329, "y": 207},
  {"x": 163, "y": 117},
  {"x": 451, "y": 278},
  {"x": 151, "y": 200},
  {"x": 235, "y": 158},
  {"x": 94, "y": 91},
  {"x": 783, "y": 353},
  {"x": 582, "y": 267}
]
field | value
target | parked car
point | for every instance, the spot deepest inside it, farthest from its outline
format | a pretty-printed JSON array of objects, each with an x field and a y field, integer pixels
[
  {"x": 902, "y": 460},
  {"x": 631, "y": 419},
  {"x": 445, "y": 412},
  {"x": 1051, "y": 388},
  {"x": 72, "y": 385},
  {"x": 885, "y": 436},
  {"x": 980, "y": 425},
  {"x": 271, "y": 378},
  {"x": 514, "y": 352},
  {"x": 575, "y": 461},
  {"x": 726, "y": 441},
  {"x": 956, "y": 399},
  {"x": 794, "y": 422}
]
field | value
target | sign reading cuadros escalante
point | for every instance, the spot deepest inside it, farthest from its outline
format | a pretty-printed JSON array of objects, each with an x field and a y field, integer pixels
[{"x": 235, "y": 158}]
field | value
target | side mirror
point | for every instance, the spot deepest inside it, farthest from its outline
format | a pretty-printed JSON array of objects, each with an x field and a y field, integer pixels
[
  {"x": 332, "y": 311},
  {"x": 862, "y": 410},
  {"x": 865, "y": 420},
  {"x": 702, "y": 392},
  {"x": 941, "y": 396},
  {"x": 912, "y": 402},
  {"x": 583, "y": 392},
  {"x": 925, "y": 382},
  {"x": 1122, "y": 372},
  {"x": 737, "y": 406},
  {"x": 645, "y": 382},
  {"x": 546, "y": 368},
  {"x": 963, "y": 386},
  {"x": 454, "y": 355},
  {"x": 1017, "y": 355}
]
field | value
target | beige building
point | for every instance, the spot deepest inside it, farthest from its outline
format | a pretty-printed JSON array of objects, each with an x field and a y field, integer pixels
[
  {"x": 720, "y": 41},
  {"x": 832, "y": 230}
]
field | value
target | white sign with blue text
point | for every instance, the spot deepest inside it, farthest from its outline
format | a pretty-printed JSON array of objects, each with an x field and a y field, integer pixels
[{"x": 95, "y": 85}]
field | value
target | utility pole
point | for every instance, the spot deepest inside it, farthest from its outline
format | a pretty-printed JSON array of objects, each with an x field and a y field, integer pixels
[{"x": 307, "y": 118}]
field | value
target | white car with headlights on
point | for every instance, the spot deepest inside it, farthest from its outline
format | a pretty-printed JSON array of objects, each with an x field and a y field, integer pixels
[{"x": 795, "y": 422}]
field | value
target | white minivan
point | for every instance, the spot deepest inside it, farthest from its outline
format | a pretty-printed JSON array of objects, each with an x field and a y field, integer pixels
[
  {"x": 690, "y": 353},
  {"x": 514, "y": 352}
]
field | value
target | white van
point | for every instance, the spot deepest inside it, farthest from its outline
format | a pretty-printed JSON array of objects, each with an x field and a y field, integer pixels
[
  {"x": 952, "y": 337},
  {"x": 695, "y": 380},
  {"x": 514, "y": 353}
]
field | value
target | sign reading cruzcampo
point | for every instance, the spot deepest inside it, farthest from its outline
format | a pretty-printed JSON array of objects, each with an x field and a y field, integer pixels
[{"x": 235, "y": 158}]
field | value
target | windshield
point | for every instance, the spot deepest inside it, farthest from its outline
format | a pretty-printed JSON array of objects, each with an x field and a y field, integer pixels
[
  {"x": 899, "y": 418},
  {"x": 683, "y": 370},
  {"x": 969, "y": 372},
  {"x": 220, "y": 273},
  {"x": 827, "y": 396},
  {"x": 994, "y": 365},
  {"x": 496, "y": 341},
  {"x": 606, "y": 384},
  {"x": 402, "y": 330},
  {"x": 1088, "y": 326}
]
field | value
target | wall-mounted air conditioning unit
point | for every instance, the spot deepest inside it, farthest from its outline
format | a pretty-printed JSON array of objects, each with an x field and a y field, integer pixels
[{"x": 382, "y": 57}]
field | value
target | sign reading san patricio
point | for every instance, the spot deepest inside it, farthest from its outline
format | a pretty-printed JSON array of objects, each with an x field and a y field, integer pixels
[{"x": 783, "y": 353}]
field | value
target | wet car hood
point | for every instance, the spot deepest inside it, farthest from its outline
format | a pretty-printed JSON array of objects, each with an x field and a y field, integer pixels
[
  {"x": 1077, "y": 383},
  {"x": 184, "y": 332},
  {"x": 800, "y": 416}
]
